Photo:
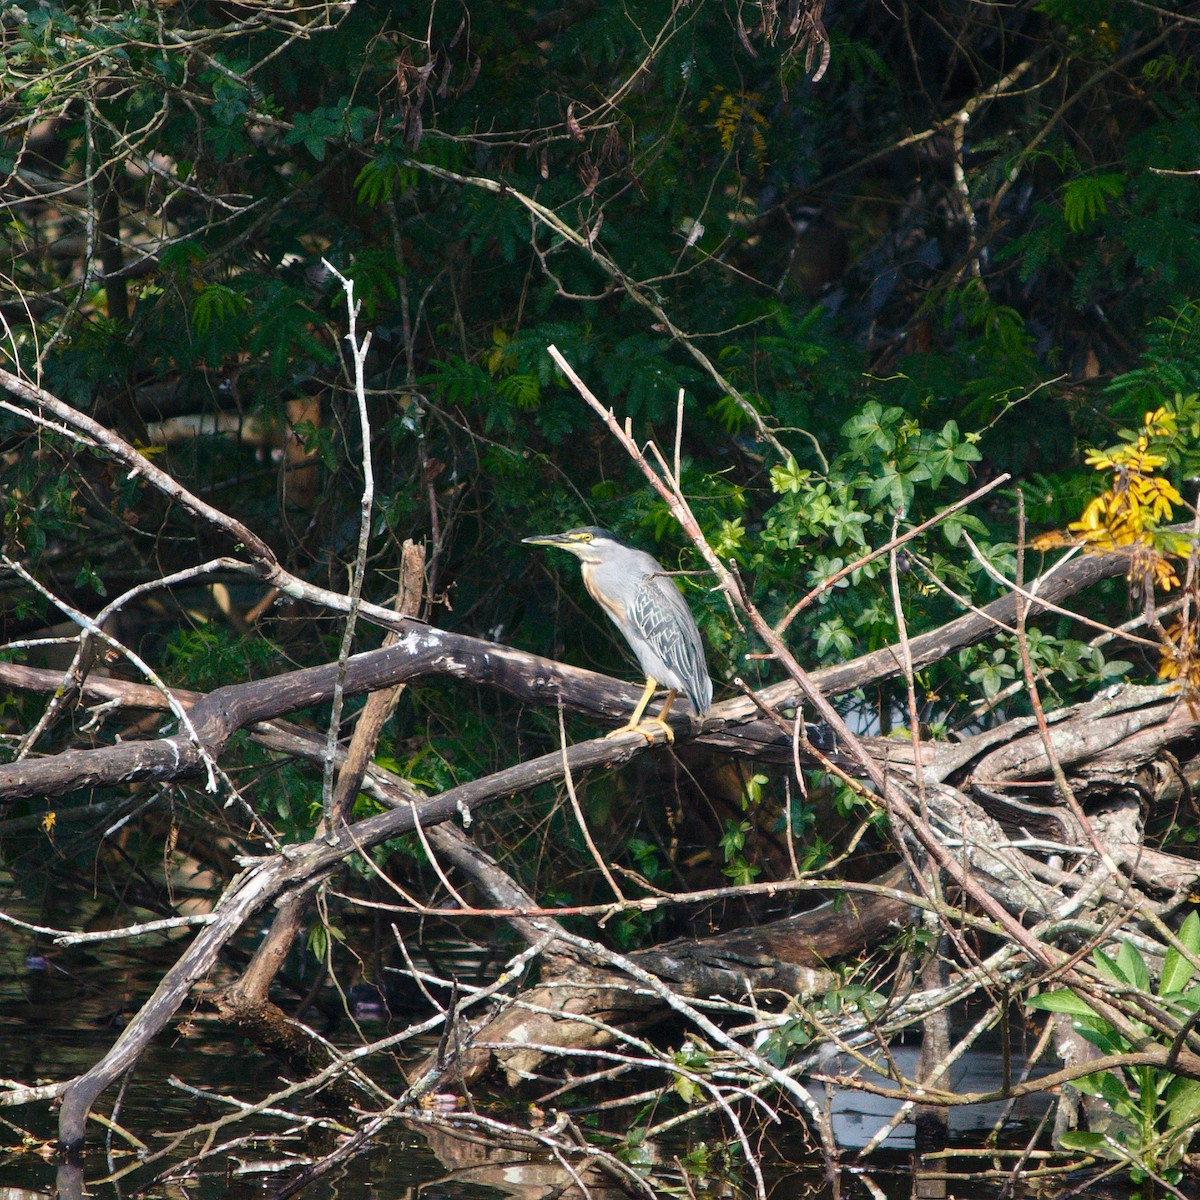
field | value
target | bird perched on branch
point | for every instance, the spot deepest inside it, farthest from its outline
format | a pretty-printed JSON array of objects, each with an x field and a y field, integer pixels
[{"x": 648, "y": 609}]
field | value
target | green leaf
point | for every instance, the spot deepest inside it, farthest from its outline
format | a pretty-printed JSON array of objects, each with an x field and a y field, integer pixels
[
  {"x": 1088, "y": 1142},
  {"x": 458, "y": 381},
  {"x": 225, "y": 143},
  {"x": 1109, "y": 967},
  {"x": 1086, "y": 199},
  {"x": 948, "y": 455},
  {"x": 789, "y": 477},
  {"x": 873, "y": 427},
  {"x": 1063, "y": 1001},
  {"x": 1118, "y": 1096},
  {"x": 1182, "y": 1103},
  {"x": 214, "y": 305},
  {"x": 992, "y": 676},
  {"x": 1177, "y": 971},
  {"x": 89, "y": 577},
  {"x": 1088, "y": 1085},
  {"x": 895, "y": 486},
  {"x": 229, "y": 100},
  {"x": 520, "y": 389},
  {"x": 952, "y": 527},
  {"x": 1131, "y": 962},
  {"x": 318, "y": 942},
  {"x": 380, "y": 178},
  {"x": 1101, "y": 1035},
  {"x": 1189, "y": 932},
  {"x": 322, "y": 125},
  {"x": 834, "y": 638}
]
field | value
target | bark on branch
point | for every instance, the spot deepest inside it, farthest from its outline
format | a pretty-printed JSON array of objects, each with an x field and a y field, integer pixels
[{"x": 421, "y": 650}]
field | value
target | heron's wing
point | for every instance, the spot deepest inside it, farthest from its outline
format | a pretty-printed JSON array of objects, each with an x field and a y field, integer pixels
[{"x": 660, "y": 614}]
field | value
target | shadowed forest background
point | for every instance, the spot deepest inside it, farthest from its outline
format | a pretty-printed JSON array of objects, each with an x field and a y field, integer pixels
[{"x": 896, "y": 302}]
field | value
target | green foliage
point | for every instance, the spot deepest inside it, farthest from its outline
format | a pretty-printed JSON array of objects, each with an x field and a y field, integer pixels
[
  {"x": 215, "y": 305},
  {"x": 1085, "y": 199},
  {"x": 897, "y": 455},
  {"x": 209, "y": 656},
  {"x": 782, "y": 1043},
  {"x": 1156, "y": 1110},
  {"x": 824, "y": 521},
  {"x": 733, "y": 842},
  {"x": 797, "y": 1033},
  {"x": 317, "y": 129},
  {"x": 320, "y": 939},
  {"x": 696, "y": 1061},
  {"x": 855, "y": 997},
  {"x": 486, "y": 204},
  {"x": 346, "y": 167}
]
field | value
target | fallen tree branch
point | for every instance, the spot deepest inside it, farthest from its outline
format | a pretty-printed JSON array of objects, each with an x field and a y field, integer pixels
[
  {"x": 301, "y": 866},
  {"x": 422, "y": 650}
]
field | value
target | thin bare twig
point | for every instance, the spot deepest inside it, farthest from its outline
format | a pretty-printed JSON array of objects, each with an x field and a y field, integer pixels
[{"x": 358, "y": 569}]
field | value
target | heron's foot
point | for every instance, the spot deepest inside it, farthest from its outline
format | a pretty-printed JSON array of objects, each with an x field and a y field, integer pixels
[{"x": 644, "y": 727}]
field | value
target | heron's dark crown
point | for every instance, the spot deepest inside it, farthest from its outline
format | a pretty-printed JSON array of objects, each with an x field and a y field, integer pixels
[{"x": 592, "y": 533}]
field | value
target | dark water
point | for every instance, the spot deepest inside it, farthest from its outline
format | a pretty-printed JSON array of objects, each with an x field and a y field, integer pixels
[{"x": 62, "y": 1008}]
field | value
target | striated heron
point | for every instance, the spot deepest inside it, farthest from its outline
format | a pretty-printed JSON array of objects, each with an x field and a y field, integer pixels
[{"x": 648, "y": 609}]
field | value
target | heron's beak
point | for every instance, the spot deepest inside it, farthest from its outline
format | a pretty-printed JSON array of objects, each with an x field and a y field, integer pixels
[{"x": 548, "y": 539}]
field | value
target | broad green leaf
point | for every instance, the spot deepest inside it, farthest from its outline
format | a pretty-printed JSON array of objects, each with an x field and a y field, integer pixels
[
  {"x": 1063, "y": 1001},
  {"x": 1101, "y": 1035},
  {"x": 1118, "y": 1096},
  {"x": 1189, "y": 932},
  {"x": 1182, "y": 1101},
  {"x": 788, "y": 478},
  {"x": 1109, "y": 967},
  {"x": 1089, "y": 1143},
  {"x": 1177, "y": 971},
  {"x": 1089, "y": 1085},
  {"x": 1133, "y": 965}
]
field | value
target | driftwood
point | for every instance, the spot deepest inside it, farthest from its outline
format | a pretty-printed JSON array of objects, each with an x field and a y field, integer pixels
[
  {"x": 771, "y": 957},
  {"x": 421, "y": 650},
  {"x": 1029, "y": 838},
  {"x": 788, "y": 955}
]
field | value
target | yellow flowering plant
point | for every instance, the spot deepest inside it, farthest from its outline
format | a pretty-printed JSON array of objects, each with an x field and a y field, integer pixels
[{"x": 1133, "y": 513}]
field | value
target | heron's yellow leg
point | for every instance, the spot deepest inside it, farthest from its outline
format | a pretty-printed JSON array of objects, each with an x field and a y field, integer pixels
[
  {"x": 640, "y": 708},
  {"x": 660, "y": 720},
  {"x": 637, "y": 725}
]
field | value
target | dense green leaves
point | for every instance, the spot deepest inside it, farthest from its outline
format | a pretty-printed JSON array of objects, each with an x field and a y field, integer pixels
[
  {"x": 1156, "y": 1109},
  {"x": 909, "y": 301},
  {"x": 836, "y": 306}
]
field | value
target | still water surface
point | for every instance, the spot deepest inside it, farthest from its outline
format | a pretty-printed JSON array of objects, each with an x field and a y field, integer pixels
[{"x": 60, "y": 1010}]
